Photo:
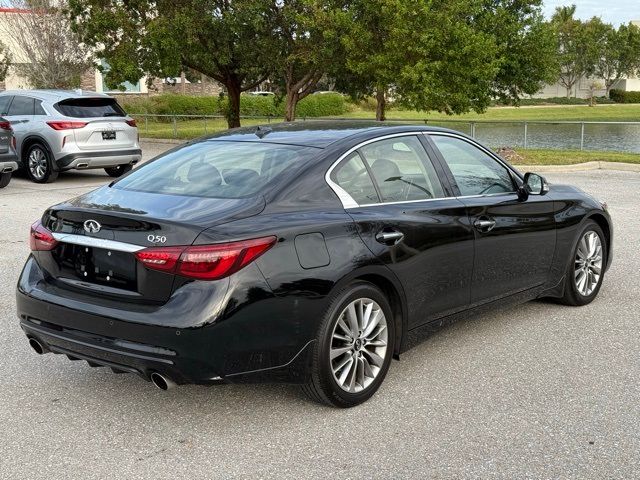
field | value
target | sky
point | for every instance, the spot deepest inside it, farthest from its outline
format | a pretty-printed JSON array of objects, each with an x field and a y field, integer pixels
[{"x": 611, "y": 11}]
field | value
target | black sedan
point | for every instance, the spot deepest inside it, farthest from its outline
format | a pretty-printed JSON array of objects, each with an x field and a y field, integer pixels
[{"x": 306, "y": 253}]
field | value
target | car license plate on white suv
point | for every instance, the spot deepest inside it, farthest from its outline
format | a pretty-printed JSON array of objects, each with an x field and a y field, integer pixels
[{"x": 109, "y": 135}]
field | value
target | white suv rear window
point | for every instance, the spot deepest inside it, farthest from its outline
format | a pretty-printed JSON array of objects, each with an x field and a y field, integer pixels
[{"x": 90, "y": 107}]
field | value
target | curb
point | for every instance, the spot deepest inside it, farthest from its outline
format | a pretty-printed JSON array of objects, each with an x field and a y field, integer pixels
[
  {"x": 170, "y": 141},
  {"x": 581, "y": 167}
]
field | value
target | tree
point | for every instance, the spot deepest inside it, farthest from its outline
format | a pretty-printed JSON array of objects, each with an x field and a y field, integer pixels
[
  {"x": 5, "y": 61},
  {"x": 309, "y": 42},
  {"x": 451, "y": 56},
  {"x": 618, "y": 54},
  {"x": 577, "y": 54},
  {"x": 232, "y": 42},
  {"x": 526, "y": 45},
  {"x": 45, "y": 49}
]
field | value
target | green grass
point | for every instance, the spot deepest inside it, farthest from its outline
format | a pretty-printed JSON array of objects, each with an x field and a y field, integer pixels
[
  {"x": 570, "y": 157},
  {"x": 577, "y": 113}
]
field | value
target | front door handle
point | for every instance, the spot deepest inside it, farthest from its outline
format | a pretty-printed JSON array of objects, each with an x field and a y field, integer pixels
[
  {"x": 484, "y": 224},
  {"x": 389, "y": 237}
]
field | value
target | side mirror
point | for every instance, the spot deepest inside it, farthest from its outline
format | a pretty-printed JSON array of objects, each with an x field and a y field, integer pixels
[{"x": 534, "y": 184}]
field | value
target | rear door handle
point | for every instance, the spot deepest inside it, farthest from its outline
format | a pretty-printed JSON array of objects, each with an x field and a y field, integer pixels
[
  {"x": 484, "y": 224},
  {"x": 389, "y": 237}
]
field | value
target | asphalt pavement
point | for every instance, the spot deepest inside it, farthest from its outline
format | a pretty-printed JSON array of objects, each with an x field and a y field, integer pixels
[{"x": 535, "y": 391}]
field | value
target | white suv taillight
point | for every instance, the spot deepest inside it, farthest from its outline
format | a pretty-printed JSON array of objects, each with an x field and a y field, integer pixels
[{"x": 66, "y": 125}]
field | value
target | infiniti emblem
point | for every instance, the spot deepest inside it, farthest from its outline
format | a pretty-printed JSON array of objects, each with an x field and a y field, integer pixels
[{"x": 92, "y": 226}]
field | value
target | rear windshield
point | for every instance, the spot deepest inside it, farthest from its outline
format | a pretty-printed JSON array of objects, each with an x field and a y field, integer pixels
[
  {"x": 217, "y": 169},
  {"x": 90, "y": 107}
]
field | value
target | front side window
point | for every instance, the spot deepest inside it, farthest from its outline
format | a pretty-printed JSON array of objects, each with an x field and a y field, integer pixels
[
  {"x": 475, "y": 172},
  {"x": 21, "y": 106},
  {"x": 353, "y": 178},
  {"x": 402, "y": 170},
  {"x": 217, "y": 169}
]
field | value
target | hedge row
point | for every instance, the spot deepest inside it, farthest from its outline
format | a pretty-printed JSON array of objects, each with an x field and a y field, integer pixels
[
  {"x": 621, "y": 96},
  {"x": 324, "y": 105}
]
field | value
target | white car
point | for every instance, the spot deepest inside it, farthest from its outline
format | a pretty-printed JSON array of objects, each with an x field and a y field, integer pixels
[{"x": 58, "y": 130}]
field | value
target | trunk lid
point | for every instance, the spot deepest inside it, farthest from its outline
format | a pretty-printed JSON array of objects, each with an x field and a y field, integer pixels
[
  {"x": 101, "y": 257},
  {"x": 106, "y": 134}
]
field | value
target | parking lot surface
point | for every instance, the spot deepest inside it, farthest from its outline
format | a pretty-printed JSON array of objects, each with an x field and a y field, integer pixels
[{"x": 535, "y": 391}]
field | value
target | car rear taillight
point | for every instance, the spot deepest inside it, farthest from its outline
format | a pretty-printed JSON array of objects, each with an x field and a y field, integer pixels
[
  {"x": 205, "y": 262},
  {"x": 41, "y": 239},
  {"x": 132, "y": 123},
  {"x": 5, "y": 126},
  {"x": 66, "y": 125}
]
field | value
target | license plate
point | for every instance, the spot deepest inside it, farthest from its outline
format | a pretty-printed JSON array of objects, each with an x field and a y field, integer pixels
[{"x": 109, "y": 135}]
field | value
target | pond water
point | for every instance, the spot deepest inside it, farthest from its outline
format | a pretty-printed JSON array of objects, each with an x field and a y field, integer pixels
[{"x": 599, "y": 137}]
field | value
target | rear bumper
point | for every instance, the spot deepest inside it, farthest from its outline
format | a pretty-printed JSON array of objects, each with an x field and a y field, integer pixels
[
  {"x": 8, "y": 166},
  {"x": 87, "y": 160},
  {"x": 232, "y": 350}
]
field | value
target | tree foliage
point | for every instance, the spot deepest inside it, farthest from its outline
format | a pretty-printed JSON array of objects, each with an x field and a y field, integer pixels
[
  {"x": 618, "y": 53},
  {"x": 451, "y": 56}
]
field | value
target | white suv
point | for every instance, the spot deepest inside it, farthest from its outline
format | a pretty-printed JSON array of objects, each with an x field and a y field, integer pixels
[{"x": 59, "y": 130}]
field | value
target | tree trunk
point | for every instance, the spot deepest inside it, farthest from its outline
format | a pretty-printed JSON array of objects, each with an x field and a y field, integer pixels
[
  {"x": 233, "y": 112},
  {"x": 381, "y": 104},
  {"x": 568, "y": 92},
  {"x": 183, "y": 83},
  {"x": 291, "y": 103}
]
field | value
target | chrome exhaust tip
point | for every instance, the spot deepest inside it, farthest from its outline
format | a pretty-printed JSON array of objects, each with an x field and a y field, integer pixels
[
  {"x": 80, "y": 166},
  {"x": 162, "y": 382},
  {"x": 37, "y": 346}
]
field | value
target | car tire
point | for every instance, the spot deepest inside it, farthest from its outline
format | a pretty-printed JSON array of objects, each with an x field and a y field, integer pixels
[
  {"x": 345, "y": 386},
  {"x": 39, "y": 164},
  {"x": 5, "y": 178},
  {"x": 585, "y": 268},
  {"x": 119, "y": 170}
]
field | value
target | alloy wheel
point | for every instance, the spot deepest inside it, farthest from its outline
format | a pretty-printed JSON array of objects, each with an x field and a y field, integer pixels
[
  {"x": 588, "y": 263},
  {"x": 38, "y": 163},
  {"x": 358, "y": 345}
]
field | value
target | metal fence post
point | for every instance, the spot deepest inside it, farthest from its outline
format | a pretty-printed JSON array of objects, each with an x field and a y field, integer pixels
[
  {"x": 146, "y": 123},
  {"x": 525, "y": 134},
  {"x": 582, "y": 136},
  {"x": 473, "y": 129},
  {"x": 175, "y": 127},
  {"x": 205, "y": 125}
]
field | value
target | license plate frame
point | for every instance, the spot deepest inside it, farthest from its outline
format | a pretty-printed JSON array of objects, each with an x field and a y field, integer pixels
[{"x": 108, "y": 135}]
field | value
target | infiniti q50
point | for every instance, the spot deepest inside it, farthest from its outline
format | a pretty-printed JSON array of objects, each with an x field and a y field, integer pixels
[{"x": 301, "y": 253}]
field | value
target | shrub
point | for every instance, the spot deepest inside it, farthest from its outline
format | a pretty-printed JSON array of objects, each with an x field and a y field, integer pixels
[
  {"x": 325, "y": 105},
  {"x": 621, "y": 96},
  {"x": 250, "y": 105}
]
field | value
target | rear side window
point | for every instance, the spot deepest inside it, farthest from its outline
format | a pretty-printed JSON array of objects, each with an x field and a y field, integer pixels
[
  {"x": 220, "y": 169},
  {"x": 353, "y": 178},
  {"x": 402, "y": 170},
  {"x": 4, "y": 104},
  {"x": 21, "y": 106},
  {"x": 90, "y": 107},
  {"x": 38, "y": 108}
]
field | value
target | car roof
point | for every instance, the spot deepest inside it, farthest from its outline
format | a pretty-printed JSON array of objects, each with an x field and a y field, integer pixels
[
  {"x": 316, "y": 133},
  {"x": 56, "y": 95}
]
